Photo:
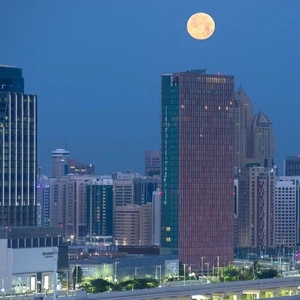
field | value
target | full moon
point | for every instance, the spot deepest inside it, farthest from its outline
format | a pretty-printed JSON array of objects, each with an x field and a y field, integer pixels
[{"x": 200, "y": 26}]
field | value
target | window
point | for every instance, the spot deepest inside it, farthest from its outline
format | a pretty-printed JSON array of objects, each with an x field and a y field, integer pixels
[
  {"x": 168, "y": 228},
  {"x": 168, "y": 239}
]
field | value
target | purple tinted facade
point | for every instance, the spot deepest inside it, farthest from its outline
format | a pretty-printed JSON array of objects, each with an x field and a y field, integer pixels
[{"x": 206, "y": 168}]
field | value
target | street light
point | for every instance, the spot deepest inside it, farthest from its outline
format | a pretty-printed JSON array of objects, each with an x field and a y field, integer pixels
[
  {"x": 202, "y": 264},
  {"x": 184, "y": 273},
  {"x": 218, "y": 264},
  {"x": 207, "y": 269},
  {"x": 156, "y": 277},
  {"x": 116, "y": 280}
]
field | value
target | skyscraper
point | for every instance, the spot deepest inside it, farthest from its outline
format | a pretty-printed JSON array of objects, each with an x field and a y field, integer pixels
[
  {"x": 60, "y": 158},
  {"x": 292, "y": 166},
  {"x": 197, "y": 153},
  {"x": 152, "y": 163},
  {"x": 263, "y": 141},
  {"x": 243, "y": 118},
  {"x": 256, "y": 212},
  {"x": 18, "y": 151}
]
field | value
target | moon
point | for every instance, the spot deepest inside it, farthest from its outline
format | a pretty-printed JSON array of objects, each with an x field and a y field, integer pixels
[{"x": 200, "y": 26}]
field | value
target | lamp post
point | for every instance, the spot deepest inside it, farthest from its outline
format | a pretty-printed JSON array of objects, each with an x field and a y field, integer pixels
[
  {"x": 135, "y": 271},
  {"x": 202, "y": 264},
  {"x": 184, "y": 273},
  {"x": 115, "y": 279},
  {"x": 218, "y": 264},
  {"x": 207, "y": 269},
  {"x": 156, "y": 277}
]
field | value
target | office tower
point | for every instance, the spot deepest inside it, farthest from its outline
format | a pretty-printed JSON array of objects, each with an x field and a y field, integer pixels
[
  {"x": 197, "y": 157},
  {"x": 143, "y": 188},
  {"x": 43, "y": 201},
  {"x": 123, "y": 192},
  {"x": 100, "y": 207},
  {"x": 292, "y": 166},
  {"x": 152, "y": 163},
  {"x": 263, "y": 141},
  {"x": 287, "y": 211},
  {"x": 156, "y": 217},
  {"x": 75, "y": 167},
  {"x": 133, "y": 225},
  {"x": 60, "y": 159},
  {"x": 256, "y": 210},
  {"x": 18, "y": 150},
  {"x": 68, "y": 206},
  {"x": 236, "y": 206},
  {"x": 243, "y": 118}
]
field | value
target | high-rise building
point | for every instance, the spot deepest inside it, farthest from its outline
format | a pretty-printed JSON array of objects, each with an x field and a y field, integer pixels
[
  {"x": 263, "y": 141},
  {"x": 292, "y": 166},
  {"x": 18, "y": 150},
  {"x": 143, "y": 188},
  {"x": 100, "y": 207},
  {"x": 256, "y": 210},
  {"x": 60, "y": 158},
  {"x": 156, "y": 217},
  {"x": 68, "y": 206},
  {"x": 75, "y": 167},
  {"x": 43, "y": 201},
  {"x": 197, "y": 157},
  {"x": 287, "y": 211},
  {"x": 243, "y": 118},
  {"x": 152, "y": 163},
  {"x": 133, "y": 225}
]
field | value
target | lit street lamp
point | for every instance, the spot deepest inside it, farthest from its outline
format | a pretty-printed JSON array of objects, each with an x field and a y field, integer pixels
[{"x": 115, "y": 279}]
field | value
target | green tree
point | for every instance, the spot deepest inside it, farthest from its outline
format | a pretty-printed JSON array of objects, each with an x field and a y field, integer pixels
[
  {"x": 267, "y": 273},
  {"x": 98, "y": 285}
]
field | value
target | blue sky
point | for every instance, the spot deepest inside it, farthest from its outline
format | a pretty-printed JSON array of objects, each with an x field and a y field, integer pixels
[{"x": 95, "y": 67}]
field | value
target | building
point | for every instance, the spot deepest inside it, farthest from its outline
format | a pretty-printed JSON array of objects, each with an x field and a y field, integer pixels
[
  {"x": 197, "y": 157},
  {"x": 123, "y": 192},
  {"x": 43, "y": 201},
  {"x": 68, "y": 206},
  {"x": 60, "y": 165},
  {"x": 75, "y": 167},
  {"x": 243, "y": 118},
  {"x": 256, "y": 208},
  {"x": 133, "y": 225},
  {"x": 156, "y": 217},
  {"x": 263, "y": 141},
  {"x": 143, "y": 188},
  {"x": 99, "y": 207},
  {"x": 29, "y": 258},
  {"x": 152, "y": 163},
  {"x": 18, "y": 150},
  {"x": 292, "y": 166},
  {"x": 287, "y": 211}
]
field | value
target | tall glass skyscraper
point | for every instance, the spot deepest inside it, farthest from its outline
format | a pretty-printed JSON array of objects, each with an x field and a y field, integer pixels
[
  {"x": 18, "y": 151},
  {"x": 197, "y": 153}
]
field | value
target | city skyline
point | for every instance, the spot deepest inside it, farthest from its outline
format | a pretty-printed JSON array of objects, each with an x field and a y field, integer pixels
[{"x": 55, "y": 50}]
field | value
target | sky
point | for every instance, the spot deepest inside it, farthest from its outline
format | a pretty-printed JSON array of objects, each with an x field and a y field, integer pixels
[{"x": 95, "y": 66}]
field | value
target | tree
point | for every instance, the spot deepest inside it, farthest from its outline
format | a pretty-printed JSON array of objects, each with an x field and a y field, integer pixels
[{"x": 98, "y": 285}]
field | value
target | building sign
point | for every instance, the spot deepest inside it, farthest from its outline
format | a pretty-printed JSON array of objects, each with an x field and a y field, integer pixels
[
  {"x": 206, "y": 92},
  {"x": 172, "y": 267},
  {"x": 48, "y": 254}
]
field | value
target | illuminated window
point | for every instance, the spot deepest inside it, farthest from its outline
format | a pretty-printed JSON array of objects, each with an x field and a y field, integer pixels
[
  {"x": 168, "y": 229},
  {"x": 219, "y": 108},
  {"x": 201, "y": 135},
  {"x": 182, "y": 106},
  {"x": 230, "y": 102},
  {"x": 205, "y": 106},
  {"x": 168, "y": 239},
  {"x": 226, "y": 107}
]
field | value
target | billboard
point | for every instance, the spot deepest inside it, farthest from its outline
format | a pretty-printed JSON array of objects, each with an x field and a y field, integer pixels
[
  {"x": 32, "y": 260},
  {"x": 172, "y": 267}
]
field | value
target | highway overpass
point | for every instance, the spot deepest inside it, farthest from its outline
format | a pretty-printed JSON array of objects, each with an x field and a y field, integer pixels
[{"x": 289, "y": 286}]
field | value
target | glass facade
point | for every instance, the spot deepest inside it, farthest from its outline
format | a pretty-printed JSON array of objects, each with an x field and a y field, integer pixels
[
  {"x": 99, "y": 210},
  {"x": 197, "y": 150},
  {"x": 18, "y": 123}
]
